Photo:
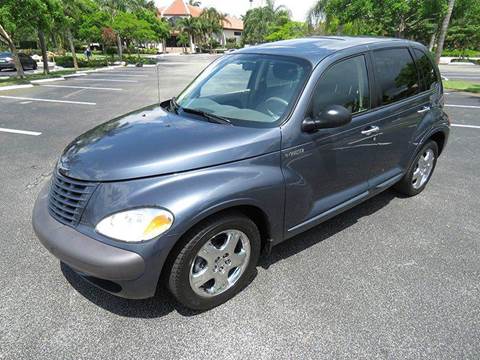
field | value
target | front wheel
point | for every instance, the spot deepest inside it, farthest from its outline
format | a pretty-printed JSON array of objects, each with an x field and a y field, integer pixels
[
  {"x": 417, "y": 177},
  {"x": 217, "y": 261}
]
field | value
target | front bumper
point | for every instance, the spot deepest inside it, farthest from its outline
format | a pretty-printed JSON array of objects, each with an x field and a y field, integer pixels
[
  {"x": 7, "y": 65},
  {"x": 118, "y": 271}
]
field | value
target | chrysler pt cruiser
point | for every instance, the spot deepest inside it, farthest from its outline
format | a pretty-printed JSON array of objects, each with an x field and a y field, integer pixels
[{"x": 265, "y": 143}]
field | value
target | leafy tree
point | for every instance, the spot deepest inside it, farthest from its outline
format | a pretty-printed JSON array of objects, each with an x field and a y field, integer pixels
[
  {"x": 8, "y": 27},
  {"x": 37, "y": 15},
  {"x": 259, "y": 21},
  {"x": 289, "y": 30},
  {"x": 443, "y": 31},
  {"x": 464, "y": 30},
  {"x": 194, "y": 3},
  {"x": 183, "y": 40},
  {"x": 189, "y": 26},
  {"x": 73, "y": 10}
]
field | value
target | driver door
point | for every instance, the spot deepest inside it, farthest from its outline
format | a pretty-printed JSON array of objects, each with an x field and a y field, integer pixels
[{"x": 330, "y": 170}]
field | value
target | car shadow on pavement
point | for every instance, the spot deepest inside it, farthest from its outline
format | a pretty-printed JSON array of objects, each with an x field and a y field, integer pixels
[
  {"x": 327, "y": 229},
  {"x": 158, "y": 306},
  {"x": 163, "y": 303}
]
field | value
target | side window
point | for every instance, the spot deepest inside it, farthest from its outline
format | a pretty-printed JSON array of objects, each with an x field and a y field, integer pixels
[
  {"x": 231, "y": 78},
  {"x": 428, "y": 75},
  {"x": 396, "y": 74},
  {"x": 345, "y": 84}
]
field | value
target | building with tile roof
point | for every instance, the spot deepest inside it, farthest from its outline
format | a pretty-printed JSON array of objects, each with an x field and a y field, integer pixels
[{"x": 178, "y": 9}]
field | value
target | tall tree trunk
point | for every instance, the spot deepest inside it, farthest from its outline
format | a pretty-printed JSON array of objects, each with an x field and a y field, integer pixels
[
  {"x": 119, "y": 46},
  {"x": 43, "y": 47},
  {"x": 5, "y": 38},
  {"x": 192, "y": 45},
  {"x": 431, "y": 44},
  {"x": 72, "y": 48},
  {"x": 443, "y": 31}
]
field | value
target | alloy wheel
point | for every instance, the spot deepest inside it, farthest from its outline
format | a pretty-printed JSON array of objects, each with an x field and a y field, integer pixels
[{"x": 220, "y": 263}]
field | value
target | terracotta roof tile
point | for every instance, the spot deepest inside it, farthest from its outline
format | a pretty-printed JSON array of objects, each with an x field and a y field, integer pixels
[
  {"x": 233, "y": 23},
  {"x": 176, "y": 8}
]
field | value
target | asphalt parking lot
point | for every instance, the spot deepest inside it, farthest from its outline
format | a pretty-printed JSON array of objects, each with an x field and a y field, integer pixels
[{"x": 392, "y": 278}]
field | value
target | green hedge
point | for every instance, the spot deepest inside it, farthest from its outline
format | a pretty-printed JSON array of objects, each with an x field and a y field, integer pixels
[
  {"x": 461, "y": 53},
  {"x": 134, "y": 59},
  {"x": 67, "y": 62}
]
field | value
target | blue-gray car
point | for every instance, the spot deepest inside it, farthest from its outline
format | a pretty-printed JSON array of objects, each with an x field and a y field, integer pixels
[{"x": 266, "y": 143}]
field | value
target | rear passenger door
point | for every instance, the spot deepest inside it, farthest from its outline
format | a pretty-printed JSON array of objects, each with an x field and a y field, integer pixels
[{"x": 400, "y": 108}]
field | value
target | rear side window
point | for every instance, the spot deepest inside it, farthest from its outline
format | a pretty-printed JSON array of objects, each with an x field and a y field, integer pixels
[
  {"x": 396, "y": 74},
  {"x": 344, "y": 83},
  {"x": 427, "y": 73}
]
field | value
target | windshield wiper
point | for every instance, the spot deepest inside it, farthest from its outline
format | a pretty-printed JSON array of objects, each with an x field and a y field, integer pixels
[{"x": 209, "y": 116}]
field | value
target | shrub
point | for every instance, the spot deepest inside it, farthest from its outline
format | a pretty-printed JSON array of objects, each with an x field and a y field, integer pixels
[
  {"x": 67, "y": 62},
  {"x": 461, "y": 53},
  {"x": 133, "y": 59}
]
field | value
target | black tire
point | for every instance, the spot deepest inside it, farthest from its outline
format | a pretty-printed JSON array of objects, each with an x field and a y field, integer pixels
[
  {"x": 406, "y": 185},
  {"x": 179, "y": 277}
]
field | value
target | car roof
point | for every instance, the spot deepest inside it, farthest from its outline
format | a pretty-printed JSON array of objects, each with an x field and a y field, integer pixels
[{"x": 316, "y": 48}]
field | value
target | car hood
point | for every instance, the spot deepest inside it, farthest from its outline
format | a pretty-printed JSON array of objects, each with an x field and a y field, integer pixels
[{"x": 151, "y": 142}]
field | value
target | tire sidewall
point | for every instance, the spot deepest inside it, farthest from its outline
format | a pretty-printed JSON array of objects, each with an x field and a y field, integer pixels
[
  {"x": 430, "y": 145},
  {"x": 184, "y": 292}
]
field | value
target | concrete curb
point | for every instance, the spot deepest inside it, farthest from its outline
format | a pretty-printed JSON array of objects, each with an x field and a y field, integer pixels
[
  {"x": 74, "y": 75},
  {"x": 14, "y": 87},
  {"x": 46, "y": 80}
]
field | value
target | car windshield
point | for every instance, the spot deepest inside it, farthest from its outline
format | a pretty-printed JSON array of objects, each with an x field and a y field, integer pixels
[
  {"x": 5, "y": 54},
  {"x": 247, "y": 89}
]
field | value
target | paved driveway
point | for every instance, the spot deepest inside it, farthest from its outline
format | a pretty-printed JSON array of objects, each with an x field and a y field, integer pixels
[{"x": 392, "y": 278}]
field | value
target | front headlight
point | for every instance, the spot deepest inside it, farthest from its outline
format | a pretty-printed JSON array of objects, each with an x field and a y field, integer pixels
[{"x": 136, "y": 225}]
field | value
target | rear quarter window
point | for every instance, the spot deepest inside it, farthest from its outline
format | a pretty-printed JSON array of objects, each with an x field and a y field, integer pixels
[
  {"x": 396, "y": 74},
  {"x": 427, "y": 73}
]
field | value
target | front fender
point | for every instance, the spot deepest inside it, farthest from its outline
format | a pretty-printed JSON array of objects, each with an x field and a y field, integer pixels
[{"x": 194, "y": 195}]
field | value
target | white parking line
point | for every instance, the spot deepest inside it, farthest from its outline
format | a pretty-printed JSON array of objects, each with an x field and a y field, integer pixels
[
  {"x": 23, "y": 132},
  {"x": 116, "y": 74},
  {"x": 464, "y": 106},
  {"x": 83, "y": 87},
  {"x": 112, "y": 80},
  {"x": 466, "y": 126},
  {"x": 48, "y": 100}
]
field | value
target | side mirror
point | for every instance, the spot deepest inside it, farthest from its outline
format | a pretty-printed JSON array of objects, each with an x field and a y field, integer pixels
[{"x": 333, "y": 116}]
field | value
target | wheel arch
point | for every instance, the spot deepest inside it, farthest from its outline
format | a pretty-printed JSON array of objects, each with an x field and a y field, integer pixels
[{"x": 250, "y": 210}]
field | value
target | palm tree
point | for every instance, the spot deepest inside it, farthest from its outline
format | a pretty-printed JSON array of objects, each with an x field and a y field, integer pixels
[
  {"x": 212, "y": 22},
  {"x": 443, "y": 31},
  {"x": 194, "y": 3},
  {"x": 189, "y": 26},
  {"x": 316, "y": 13}
]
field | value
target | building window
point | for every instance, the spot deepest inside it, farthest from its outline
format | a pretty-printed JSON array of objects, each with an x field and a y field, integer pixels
[{"x": 237, "y": 33}]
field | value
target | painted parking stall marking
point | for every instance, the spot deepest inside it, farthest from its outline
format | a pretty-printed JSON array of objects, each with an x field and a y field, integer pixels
[
  {"x": 83, "y": 87},
  {"x": 48, "y": 100},
  {"x": 112, "y": 80},
  {"x": 120, "y": 75},
  {"x": 466, "y": 126},
  {"x": 22, "y": 132},
  {"x": 464, "y": 106}
]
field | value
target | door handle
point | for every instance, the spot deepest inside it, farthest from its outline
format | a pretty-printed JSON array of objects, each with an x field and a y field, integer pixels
[
  {"x": 371, "y": 130},
  {"x": 423, "y": 109}
]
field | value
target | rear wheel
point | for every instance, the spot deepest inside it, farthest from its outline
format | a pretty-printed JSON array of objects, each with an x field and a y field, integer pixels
[
  {"x": 419, "y": 174},
  {"x": 217, "y": 261}
]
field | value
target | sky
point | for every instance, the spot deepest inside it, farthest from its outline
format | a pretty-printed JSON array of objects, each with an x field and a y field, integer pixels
[{"x": 299, "y": 8}]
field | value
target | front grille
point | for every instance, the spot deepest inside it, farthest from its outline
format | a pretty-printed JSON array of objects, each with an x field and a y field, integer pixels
[{"x": 68, "y": 198}]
